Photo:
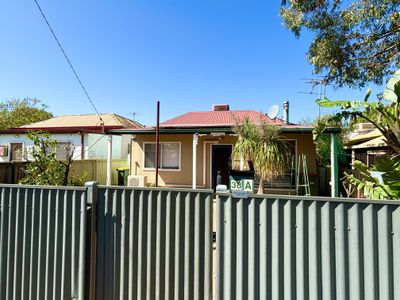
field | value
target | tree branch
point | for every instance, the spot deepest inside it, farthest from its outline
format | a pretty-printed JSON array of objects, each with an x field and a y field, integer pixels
[{"x": 375, "y": 54}]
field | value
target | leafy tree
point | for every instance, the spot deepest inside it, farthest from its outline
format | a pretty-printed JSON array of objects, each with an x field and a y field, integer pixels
[
  {"x": 373, "y": 187},
  {"x": 44, "y": 167},
  {"x": 355, "y": 42},
  {"x": 18, "y": 112},
  {"x": 386, "y": 112},
  {"x": 323, "y": 141},
  {"x": 261, "y": 145}
]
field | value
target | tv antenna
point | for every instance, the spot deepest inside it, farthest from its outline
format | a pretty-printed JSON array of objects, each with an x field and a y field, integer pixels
[
  {"x": 323, "y": 82},
  {"x": 273, "y": 111},
  {"x": 134, "y": 114}
]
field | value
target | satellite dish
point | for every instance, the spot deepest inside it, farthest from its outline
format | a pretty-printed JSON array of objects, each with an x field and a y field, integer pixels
[{"x": 273, "y": 111}]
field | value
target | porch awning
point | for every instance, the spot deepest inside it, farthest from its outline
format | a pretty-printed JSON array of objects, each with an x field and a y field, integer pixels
[{"x": 374, "y": 143}]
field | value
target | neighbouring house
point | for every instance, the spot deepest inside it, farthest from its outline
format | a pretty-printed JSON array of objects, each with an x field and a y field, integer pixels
[
  {"x": 365, "y": 143},
  {"x": 196, "y": 145},
  {"x": 86, "y": 133}
]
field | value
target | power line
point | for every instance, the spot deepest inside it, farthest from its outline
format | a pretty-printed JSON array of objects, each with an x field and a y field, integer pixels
[
  {"x": 87, "y": 150},
  {"x": 69, "y": 62}
]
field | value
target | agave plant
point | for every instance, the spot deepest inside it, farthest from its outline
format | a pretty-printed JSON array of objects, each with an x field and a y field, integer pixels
[{"x": 261, "y": 145}]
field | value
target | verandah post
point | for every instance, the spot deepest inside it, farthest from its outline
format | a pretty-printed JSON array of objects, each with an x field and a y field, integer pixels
[{"x": 334, "y": 167}]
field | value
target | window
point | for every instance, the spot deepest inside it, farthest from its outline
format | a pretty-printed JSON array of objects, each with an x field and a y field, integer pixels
[
  {"x": 169, "y": 156},
  {"x": 16, "y": 151},
  {"x": 63, "y": 150},
  {"x": 149, "y": 155},
  {"x": 3, "y": 150}
]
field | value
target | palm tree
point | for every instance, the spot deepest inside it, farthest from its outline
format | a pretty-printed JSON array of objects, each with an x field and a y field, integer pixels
[{"x": 261, "y": 145}]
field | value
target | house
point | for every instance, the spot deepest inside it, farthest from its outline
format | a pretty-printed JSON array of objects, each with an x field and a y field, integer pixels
[
  {"x": 85, "y": 133},
  {"x": 196, "y": 145},
  {"x": 365, "y": 143}
]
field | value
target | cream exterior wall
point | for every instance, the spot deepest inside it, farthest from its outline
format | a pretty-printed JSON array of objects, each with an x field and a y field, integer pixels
[
  {"x": 183, "y": 177},
  {"x": 305, "y": 144}
]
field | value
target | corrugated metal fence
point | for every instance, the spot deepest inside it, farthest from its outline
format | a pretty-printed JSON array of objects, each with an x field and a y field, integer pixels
[
  {"x": 42, "y": 242},
  {"x": 296, "y": 248},
  {"x": 154, "y": 244},
  {"x": 157, "y": 244}
]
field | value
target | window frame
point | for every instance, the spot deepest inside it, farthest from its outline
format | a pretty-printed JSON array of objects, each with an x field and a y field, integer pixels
[
  {"x": 61, "y": 143},
  {"x": 22, "y": 150},
  {"x": 160, "y": 157}
]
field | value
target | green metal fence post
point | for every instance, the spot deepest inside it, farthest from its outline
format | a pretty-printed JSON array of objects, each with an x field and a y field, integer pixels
[
  {"x": 92, "y": 189},
  {"x": 334, "y": 167}
]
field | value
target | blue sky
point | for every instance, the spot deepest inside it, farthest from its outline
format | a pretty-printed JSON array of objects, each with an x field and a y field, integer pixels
[{"x": 187, "y": 54}]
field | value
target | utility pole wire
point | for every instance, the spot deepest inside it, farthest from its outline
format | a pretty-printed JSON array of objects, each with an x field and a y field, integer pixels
[{"x": 69, "y": 62}]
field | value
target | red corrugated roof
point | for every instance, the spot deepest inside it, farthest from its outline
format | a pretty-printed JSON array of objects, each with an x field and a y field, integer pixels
[{"x": 217, "y": 118}]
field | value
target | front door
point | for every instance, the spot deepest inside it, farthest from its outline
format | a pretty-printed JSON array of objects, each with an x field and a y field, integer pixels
[{"x": 220, "y": 161}]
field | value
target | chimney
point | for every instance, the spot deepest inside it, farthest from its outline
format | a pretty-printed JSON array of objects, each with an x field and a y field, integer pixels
[
  {"x": 286, "y": 112},
  {"x": 220, "y": 107}
]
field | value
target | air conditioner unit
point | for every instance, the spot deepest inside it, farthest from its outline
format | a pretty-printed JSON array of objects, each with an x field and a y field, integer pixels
[
  {"x": 364, "y": 127},
  {"x": 136, "y": 180}
]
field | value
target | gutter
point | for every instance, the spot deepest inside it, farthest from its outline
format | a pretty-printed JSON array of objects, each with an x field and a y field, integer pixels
[
  {"x": 204, "y": 130},
  {"x": 84, "y": 129}
]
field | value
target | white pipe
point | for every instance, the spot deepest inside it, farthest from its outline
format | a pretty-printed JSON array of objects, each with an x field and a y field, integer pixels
[
  {"x": 109, "y": 158},
  {"x": 195, "y": 138}
]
